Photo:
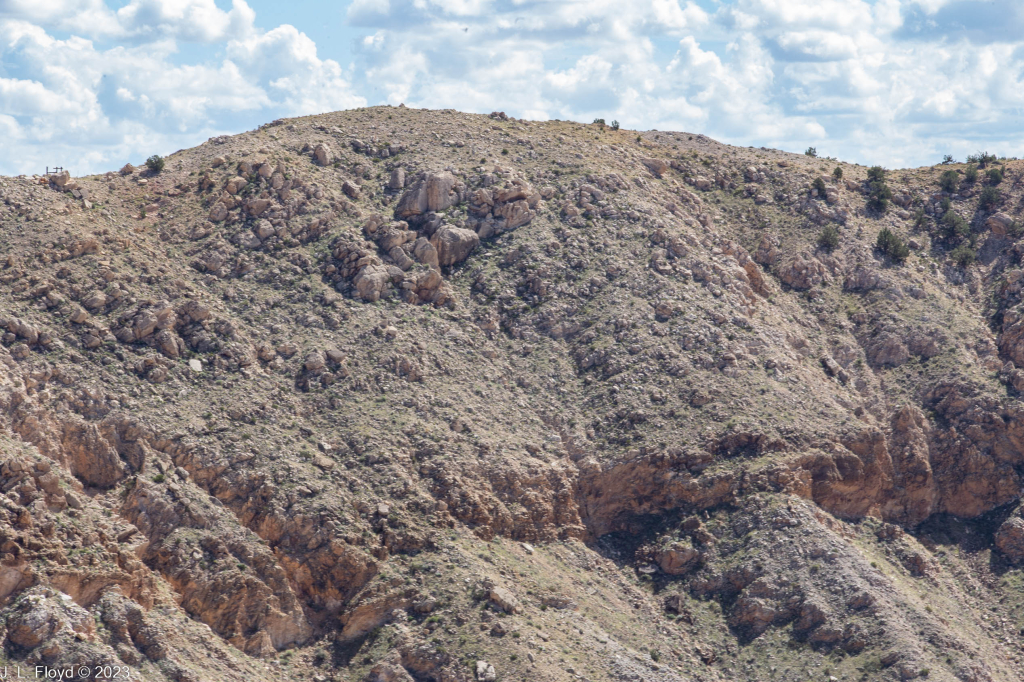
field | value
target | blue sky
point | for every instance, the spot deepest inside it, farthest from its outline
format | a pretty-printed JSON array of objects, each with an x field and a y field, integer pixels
[{"x": 92, "y": 84}]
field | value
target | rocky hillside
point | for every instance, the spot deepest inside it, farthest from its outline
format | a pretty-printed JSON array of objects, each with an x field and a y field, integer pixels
[{"x": 390, "y": 395}]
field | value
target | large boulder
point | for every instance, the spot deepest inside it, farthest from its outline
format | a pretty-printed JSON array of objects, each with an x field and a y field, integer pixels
[
  {"x": 888, "y": 351},
  {"x": 425, "y": 253},
  {"x": 516, "y": 213},
  {"x": 218, "y": 213},
  {"x": 658, "y": 167},
  {"x": 323, "y": 154},
  {"x": 677, "y": 558},
  {"x": 40, "y": 615},
  {"x": 999, "y": 223},
  {"x": 504, "y": 599},
  {"x": 370, "y": 282},
  {"x": 803, "y": 272},
  {"x": 60, "y": 179},
  {"x": 1010, "y": 539},
  {"x": 434, "y": 192},
  {"x": 752, "y": 615},
  {"x": 454, "y": 244},
  {"x": 235, "y": 185}
]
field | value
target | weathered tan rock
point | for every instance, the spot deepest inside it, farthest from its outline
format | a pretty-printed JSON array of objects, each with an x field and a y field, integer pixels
[
  {"x": 504, "y": 599},
  {"x": 235, "y": 185},
  {"x": 658, "y": 167},
  {"x": 803, "y": 272},
  {"x": 1000, "y": 223},
  {"x": 677, "y": 558},
  {"x": 322, "y": 154},
  {"x": 453, "y": 244},
  {"x": 95, "y": 300},
  {"x": 218, "y": 213},
  {"x": 370, "y": 282},
  {"x": 435, "y": 192}
]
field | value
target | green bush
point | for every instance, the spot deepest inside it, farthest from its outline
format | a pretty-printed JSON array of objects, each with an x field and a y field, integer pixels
[
  {"x": 948, "y": 159},
  {"x": 949, "y": 181},
  {"x": 981, "y": 158},
  {"x": 990, "y": 197},
  {"x": 837, "y": 174},
  {"x": 891, "y": 245},
  {"x": 155, "y": 163},
  {"x": 876, "y": 174},
  {"x": 971, "y": 174},
  {"x": 919, "y": 219},
  {"x": 953, "y": 228},
  {"x": 599, "y": 121},
  {"x": 829, "y": 239},
  {"x": 615, "y": 125},
  {"x": 819, "y": 185},
  {"x": 995, "y": 175},
  {"x": 812, "y": 152},
  {"x": 879, "y": 195},
  {"x": 963, "y": 255}
]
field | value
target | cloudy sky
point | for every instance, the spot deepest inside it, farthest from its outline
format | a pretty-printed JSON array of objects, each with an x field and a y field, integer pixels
[{"x": 91, "y": 84}]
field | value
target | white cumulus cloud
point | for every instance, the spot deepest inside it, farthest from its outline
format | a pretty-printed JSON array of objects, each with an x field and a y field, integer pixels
[{"x": 100, "y": 82}]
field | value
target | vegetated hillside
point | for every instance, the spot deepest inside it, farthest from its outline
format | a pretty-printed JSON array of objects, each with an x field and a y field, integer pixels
[{"x": 393, "y": 394}]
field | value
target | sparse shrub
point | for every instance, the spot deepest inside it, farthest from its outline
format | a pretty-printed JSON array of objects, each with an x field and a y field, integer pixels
[
  {"x": 963, "y": 255},
  {"x": 981, "y": 158},
  {"x": 504, "y": 152},
  {"x": 995, "y": 175},
  {"x": 837, "y": 174},
  {"x": 159, "y": 478},
  {"x": 891, "y": 245},
  {"x": 829, "y": 239},
  {"x": 655, "y": 655},
  {"x": 879, "y": 195},
  {"x": 615, "y": 125},
  {"x": 953, "y": 227},
  {"x": 949, "y": 181},
  {"x": 971, "y": 174},
  {"x": 819, "y": 185},
  {"x": 155, "y": 163},
  {"x": 919, "y": 219},
  {"x": 989, "y": 198},
  {"x": 599, "y": 121},
  {"x": 812, "y": 152},
  {"x": 948, "y": 159}
]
